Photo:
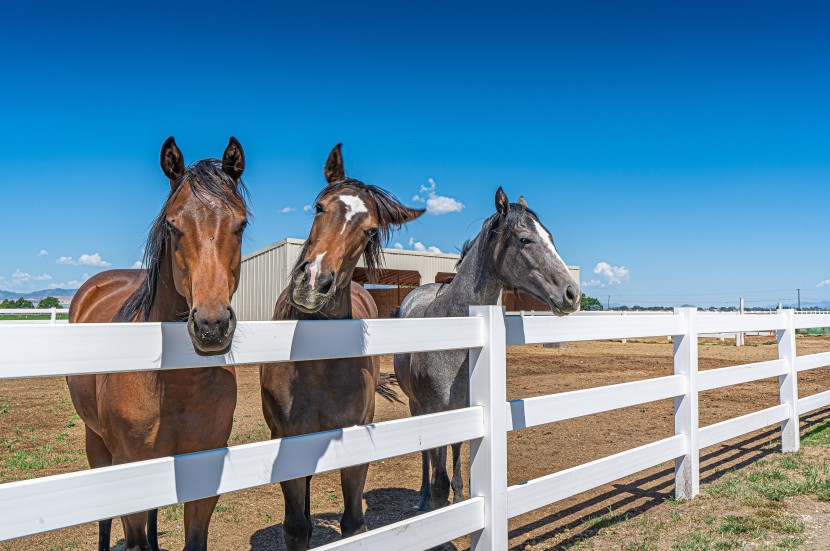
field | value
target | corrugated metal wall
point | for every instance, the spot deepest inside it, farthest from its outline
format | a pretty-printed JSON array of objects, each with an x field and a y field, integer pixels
[{"x": 264, "y": 274}]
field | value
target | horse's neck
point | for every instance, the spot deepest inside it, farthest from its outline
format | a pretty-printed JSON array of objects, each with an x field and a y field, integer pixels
[
  {"x": 168, "y": 304},
  {"x": 475, "y": 283}
]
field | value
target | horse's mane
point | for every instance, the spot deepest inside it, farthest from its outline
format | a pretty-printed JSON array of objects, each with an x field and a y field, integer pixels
[
  {"x": 206, "y": 179},
  {"x": 388, "y": 209},
  {"x": 496, "y": 228}
]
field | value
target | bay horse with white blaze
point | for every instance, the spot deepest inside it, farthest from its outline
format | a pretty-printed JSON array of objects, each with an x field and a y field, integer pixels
[
  {"x": 352, "y": 219},
  {"x": 513, "y": 248},
  {"x": 193, "y": 257}
]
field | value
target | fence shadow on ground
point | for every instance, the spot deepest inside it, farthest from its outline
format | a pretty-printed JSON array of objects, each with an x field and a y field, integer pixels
[
  {"x": 624, "y": 500},
  {"x": 632, "y": 498}
]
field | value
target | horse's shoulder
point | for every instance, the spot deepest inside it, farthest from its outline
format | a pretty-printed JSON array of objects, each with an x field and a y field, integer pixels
[
  {"x": 363, "y": 305},
  {"x": 100, "y": 297}
]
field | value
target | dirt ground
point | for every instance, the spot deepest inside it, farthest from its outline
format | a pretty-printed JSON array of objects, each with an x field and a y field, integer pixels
[{"x": 41, "y": 435}]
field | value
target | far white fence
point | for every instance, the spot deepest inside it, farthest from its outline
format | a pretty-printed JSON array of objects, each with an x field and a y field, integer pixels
[
  {"x": 48, "y": 503},
  {"x": 53, "y": 313}
]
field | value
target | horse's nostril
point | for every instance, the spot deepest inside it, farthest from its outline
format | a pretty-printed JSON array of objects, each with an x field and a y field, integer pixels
[{"x": 570, "y": 294}]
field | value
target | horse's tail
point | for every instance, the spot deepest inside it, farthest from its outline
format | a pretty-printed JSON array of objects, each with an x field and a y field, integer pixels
[{"x": 384, "y": 388}]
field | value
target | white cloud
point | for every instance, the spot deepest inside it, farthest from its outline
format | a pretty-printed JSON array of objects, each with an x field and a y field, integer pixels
[
  {"x": 824, "y": 283},
  {"x": 42, "y": 277},
  {"x": 437, "y": 204},
  {"x": 307, "y": 208},
  {"x": 609, "y": 275},
  {"x": 93, "y": 260},
  {"x": 286, "y": 210},
  {"x": 20, "y": 277},
  {"x": 138, "y": 265},
  {"x": 43, "y": 252},
  {"x": 418, "y": 246}
]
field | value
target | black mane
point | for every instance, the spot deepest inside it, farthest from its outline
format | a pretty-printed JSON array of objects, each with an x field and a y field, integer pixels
[
  {"x": 206, "y": 179},
  {"x": 495, "y": 227},
  {"x": 388, "y": 209}
]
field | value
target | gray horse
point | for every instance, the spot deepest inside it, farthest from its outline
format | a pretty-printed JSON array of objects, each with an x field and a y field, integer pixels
[{"x": 513, "y": 248}]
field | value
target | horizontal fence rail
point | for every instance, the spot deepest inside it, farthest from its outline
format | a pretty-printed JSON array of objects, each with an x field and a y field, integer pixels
[
  {"x": 33, "y": 351},
  {"x": 47, "y": 503},
  {"x": 86, "y": 496}
]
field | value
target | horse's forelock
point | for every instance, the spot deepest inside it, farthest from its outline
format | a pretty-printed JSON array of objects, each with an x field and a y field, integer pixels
[{"x": 204, "y": 179}]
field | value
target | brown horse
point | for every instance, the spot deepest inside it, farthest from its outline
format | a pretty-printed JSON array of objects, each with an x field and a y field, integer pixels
[
  {"x": 193, "y": 259},
  {"x": 352, "y": 219}
]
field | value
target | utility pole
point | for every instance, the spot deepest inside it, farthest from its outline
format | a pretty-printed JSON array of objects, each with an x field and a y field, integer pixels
[
  {"x": 799, "y": 298},
  {"x": 608, "y": 304}
]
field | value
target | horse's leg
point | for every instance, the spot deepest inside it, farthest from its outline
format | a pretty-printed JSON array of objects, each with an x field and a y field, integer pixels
[
  {"x": 135, "y": 537},
  {"x": 296, "y": 527},
  {"x": 308, "y": 506},
  {"x": 153, "y": 529},
  {"x": 440, "y": 480},
  {"x": 457, "y": 481},
  {"x": 352, "y": 482},
  {"x": 196, "y": 521},
  {"x": 98, "y": 455},
  {"x": 425, "y": 502}
]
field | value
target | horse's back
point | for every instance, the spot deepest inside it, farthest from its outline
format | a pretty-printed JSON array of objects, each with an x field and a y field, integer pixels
[
  {"x": 101, "y": 296},
  {"x": 416, "y": 303}
]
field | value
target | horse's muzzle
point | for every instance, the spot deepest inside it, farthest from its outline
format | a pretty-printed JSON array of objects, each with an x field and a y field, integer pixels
[{"x": 211, "y": 330}]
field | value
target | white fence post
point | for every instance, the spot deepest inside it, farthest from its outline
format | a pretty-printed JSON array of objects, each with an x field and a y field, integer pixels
[
  {"x": 54, "y": 316},
  {"x": 488, "y": 455},
  {"x": 687, "y": 468},
  {"x": 788, "y": 383}
]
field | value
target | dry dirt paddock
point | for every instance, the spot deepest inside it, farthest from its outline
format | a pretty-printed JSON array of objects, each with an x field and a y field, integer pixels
[{"x": 41, "y": 435}]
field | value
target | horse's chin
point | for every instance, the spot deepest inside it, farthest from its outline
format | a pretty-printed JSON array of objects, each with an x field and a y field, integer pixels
[
  {"x": 211, "y": 351},
  {"x": 310, "y": 303}
]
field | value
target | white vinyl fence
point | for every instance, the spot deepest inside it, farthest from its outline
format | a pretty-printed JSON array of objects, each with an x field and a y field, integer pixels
[{"x": 48, "y": 503}]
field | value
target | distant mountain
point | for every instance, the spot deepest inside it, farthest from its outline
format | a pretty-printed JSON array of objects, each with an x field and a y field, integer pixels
[{"x": 38, "y": 295}]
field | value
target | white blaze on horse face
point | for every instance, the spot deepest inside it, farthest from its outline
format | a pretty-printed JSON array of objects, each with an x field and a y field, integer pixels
[
  {"x": 543, "y": 234},
  {"x": 354, "y": 206},
  {"x": 314, "y": 269}
]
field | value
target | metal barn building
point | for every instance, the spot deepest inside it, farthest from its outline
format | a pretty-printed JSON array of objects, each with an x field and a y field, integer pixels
[{"x": 265, "y": 274}]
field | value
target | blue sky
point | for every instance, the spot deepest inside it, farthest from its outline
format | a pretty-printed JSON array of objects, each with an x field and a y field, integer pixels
[{"x": 680, "y": 148}]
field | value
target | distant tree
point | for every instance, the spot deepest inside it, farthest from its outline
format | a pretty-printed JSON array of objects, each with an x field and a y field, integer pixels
[
  {"x": 49, "y": 302},
  {"x": 23, "y": 303},
  {"x": 589, "y": 304},
  {"x": 19, "y": 303}
]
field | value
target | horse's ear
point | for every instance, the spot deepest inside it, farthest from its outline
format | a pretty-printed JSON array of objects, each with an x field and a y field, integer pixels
[
  {"x": 172, "y": 161},
  {"x": 502, "y": 204},
  {"x": 233, "y": 159},
  {"x": 522, "y": 201},
  {"x": 406, "y": 214},
  {"x": 334, "y": 170}
]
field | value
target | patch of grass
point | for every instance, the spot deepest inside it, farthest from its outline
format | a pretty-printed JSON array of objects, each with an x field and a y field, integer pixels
[{"x": 818, "y": 436}]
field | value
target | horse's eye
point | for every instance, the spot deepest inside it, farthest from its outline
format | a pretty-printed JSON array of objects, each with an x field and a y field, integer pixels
[
  {"x": 525, "y": 240},
  {"x": 371, "y": 232},
  {"x": 242, "y": 227},
  {"x": 318, "y": 207},
  {"x": 172, "y": 229}
]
